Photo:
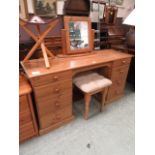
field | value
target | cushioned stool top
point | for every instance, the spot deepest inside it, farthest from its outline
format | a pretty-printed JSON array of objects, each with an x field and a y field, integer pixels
[{"x": 91, "y": 81}]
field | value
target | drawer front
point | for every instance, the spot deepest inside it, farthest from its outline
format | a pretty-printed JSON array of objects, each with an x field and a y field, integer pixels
[
  {"x": 114, "y": 92},
  {"x": 51, "y": 78},
  {"x": 23, "y": 103},
  {"x": 119, "y": 76},
  {"x": 121, "y": 62},
  {"x": 53, "y": 89},
  {"x": 24, "y": 117},
  {"x": 51, "y": 104},
  {"x": 56, "y": 117},
  {"x": 26, "y": 131}
]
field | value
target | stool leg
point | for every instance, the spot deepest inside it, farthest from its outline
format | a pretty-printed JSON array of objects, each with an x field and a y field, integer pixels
[
  {"x": 87, "y": 99},
  {"x": 104, "y": 94}
]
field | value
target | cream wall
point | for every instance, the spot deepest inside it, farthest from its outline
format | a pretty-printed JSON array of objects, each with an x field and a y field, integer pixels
[
  {"x": 123, "y": 11},
  {"x": 127, "y": 7}
]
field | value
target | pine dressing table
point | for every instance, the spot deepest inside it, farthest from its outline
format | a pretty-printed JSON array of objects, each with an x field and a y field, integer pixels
[{"x": 52, "y": 87}]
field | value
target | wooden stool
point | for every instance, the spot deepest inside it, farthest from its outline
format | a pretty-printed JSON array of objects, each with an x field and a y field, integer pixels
[{"x": 91, "y": 83}]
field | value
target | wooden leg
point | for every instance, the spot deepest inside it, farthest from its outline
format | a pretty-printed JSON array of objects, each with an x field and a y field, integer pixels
[
  {"x": 36, "y": 39},
  {"x": 40, "y": 40},
  {"x": 87, "y": 99},
  {"x": 104, "y": 94},
  {"x": 45, "y": 55}
]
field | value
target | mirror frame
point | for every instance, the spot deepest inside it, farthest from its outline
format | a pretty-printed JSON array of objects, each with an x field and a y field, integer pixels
[{"x": 67, "y": 19}]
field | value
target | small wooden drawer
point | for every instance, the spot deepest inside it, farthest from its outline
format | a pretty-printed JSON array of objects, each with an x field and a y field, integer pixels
[
  {"x": 52, "y": 104},
  {"x": 26, "y": 131},
  {"x": 121, "y": 62},
  {"x": 120, "y": 73},
  {"x": 53, "y": 89},
  {"x": 27, "y": 121},
  {"x": 56, "y": 117},
  {"x": 51, "y": 78}
]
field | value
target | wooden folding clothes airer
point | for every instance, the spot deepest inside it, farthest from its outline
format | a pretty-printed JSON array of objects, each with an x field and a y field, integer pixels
[{"x": 37, "y": 21}]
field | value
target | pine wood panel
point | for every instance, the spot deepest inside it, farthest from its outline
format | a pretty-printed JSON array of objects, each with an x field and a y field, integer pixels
[
  {"x": 55, "y": 89},
  {"x": 55, "y": 117},
  {"x": 71, "y": 63},
  {"x": 53, "y": 104},
  {"x": 121, "y": 62},
  {"x": 51, "y": 78},
  {"x": 118, "y": 76},
  {"x": 26, "y": 131},
  {"x": 27, "y": 121}
]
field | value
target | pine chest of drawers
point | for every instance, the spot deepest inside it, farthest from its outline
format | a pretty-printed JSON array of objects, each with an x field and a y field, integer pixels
[
  {"x": 27, "y": 121},
  {"x": 53, "y": 97}
]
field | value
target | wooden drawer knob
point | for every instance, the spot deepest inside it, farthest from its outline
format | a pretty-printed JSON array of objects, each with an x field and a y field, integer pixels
[
  {"x": 57, "y": 90},
  {"x": 123, "y": 61},
  {"x": 57, "y": 104},
  {"x": 121, "y": 72},
  {"x": 55, "y": 78}
]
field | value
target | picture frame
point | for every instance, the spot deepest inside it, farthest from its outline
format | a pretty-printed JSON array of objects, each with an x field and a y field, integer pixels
[
  {"x": 60, "y": 7},
  {"x": 30, "y": 5},
  {"x": 78, "y": 35},
  {"x": 45, "y": 8},
  {"x": 115, "y": 2},
  {"x": 97, "y": 11}
]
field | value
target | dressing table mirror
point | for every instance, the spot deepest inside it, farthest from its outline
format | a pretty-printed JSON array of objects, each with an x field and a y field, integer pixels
[{"x": 78, "y": 34}]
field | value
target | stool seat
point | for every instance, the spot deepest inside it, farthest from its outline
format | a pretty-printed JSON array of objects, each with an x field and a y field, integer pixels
[{"x": 91, "y": 81}]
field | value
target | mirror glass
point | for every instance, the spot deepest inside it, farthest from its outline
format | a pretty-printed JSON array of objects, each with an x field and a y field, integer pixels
[{"x": 78, "y": 34}]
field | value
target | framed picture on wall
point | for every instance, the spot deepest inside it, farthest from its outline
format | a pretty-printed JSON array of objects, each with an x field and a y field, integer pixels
[
  {"x": 45, "y": 8},
  {"x": 60, "y": 7},
  {"x": 114, "y": 2}
]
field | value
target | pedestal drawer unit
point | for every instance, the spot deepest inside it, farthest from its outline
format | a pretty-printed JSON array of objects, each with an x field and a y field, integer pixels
[
  {"x": 118, "y": 76},
  {"x": 27, "y": 121},
  {"x": 53, "y": 96}
]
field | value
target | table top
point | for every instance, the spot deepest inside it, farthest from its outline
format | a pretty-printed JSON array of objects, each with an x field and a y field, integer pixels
[
  {"x": 24, "y": 86},
  {"x": 36, "y": 67}
]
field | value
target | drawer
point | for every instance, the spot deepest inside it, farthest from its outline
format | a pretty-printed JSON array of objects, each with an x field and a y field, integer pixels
[
  {"x": 121, "y": 62},
  {"x": 50, "y": 104},
  {"x": 119, "y": 74},
  {"x": 115, "y": 91},
  {"x": 53, "y": 89},
  {"x": 24, "y": 117},
  {"x": 26, "y": 131},
  {"x": 51, "y": 78},
  {"x": 23, "y": 103},
  {"x": 56, "y": 117}
]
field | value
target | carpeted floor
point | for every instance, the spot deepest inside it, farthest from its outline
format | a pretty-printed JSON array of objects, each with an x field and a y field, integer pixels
[{"x": 107, "y": 133}]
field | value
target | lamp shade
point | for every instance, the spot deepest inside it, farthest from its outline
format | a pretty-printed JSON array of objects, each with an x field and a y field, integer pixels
[{"x": 130, "y": 19}]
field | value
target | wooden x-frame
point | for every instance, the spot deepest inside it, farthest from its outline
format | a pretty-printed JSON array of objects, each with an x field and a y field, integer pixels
[{"x": 39, "y": 40}]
